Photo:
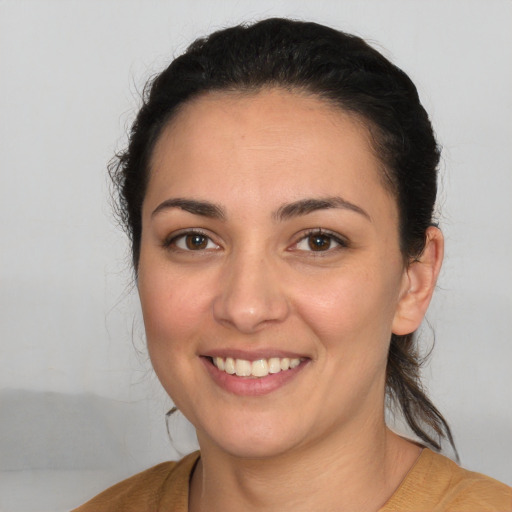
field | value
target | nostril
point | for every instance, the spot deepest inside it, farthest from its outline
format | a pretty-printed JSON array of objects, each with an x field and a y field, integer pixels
[
  {"x": 250, "y": 314},
  {"x": 249, "y": 295}
]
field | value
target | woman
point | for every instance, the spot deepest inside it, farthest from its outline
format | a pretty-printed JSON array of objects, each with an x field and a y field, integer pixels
[{"x": 278, "y": 190}]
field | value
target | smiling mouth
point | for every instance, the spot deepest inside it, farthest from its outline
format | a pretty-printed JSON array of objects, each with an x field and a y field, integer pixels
[{"x": 259, "y": 368}]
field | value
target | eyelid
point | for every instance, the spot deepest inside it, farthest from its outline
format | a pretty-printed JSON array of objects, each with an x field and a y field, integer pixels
[
  {"x": 169, "y": 241},
  {"x": 342, "y": 242}
]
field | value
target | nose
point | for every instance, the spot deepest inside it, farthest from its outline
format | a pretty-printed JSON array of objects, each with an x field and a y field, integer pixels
[{"x": 250, "y": 294}]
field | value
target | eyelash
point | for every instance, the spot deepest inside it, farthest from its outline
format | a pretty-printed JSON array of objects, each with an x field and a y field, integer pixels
[
  {"x": 171, "y": 242},
  {"x": 319, "y": 232}
]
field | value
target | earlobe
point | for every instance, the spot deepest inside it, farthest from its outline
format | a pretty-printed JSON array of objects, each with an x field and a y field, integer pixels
[{"x": 420, "y": 281}]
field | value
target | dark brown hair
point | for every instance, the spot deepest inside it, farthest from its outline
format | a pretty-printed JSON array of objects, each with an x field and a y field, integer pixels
[{"x": 345, "y": 71}]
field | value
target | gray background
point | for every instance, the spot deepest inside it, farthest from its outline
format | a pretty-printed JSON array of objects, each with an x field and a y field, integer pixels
[{"x": 79, "y": 405}]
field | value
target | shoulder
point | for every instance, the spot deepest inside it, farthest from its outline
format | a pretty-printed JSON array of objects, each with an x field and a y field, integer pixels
[
  {"x": 437, "y": 484},
  {"x": 151, "y": 490}
]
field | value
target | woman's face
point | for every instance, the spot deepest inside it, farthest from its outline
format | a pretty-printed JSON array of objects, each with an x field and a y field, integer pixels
[{"x": 270, "y": 249}]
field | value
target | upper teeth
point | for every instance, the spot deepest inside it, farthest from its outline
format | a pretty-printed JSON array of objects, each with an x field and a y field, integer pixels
[{"x": 258, "y": 368}]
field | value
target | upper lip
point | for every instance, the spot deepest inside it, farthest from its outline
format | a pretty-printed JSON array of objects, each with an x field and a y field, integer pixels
[{"x": 252, "y": 355}]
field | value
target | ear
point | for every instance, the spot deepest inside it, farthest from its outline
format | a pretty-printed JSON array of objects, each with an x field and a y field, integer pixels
[{"x": 419, "y": 283}]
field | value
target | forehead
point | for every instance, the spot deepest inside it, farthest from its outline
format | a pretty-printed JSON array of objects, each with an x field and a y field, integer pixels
[{"x": 240, "y": 143}]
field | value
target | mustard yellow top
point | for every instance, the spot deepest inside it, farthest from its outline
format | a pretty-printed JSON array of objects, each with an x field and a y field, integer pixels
[{"x": 434, "y": 484}]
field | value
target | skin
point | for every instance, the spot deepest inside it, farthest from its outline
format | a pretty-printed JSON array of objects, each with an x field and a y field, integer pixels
[{"x": 256, "y": 285}]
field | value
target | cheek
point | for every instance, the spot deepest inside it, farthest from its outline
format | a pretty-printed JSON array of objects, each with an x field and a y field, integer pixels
[
  {"x": 173, "y": 306},
  {"x": 351, "y": 308},
  {"x": 344, "y": 302},
  {"x": 173, "y": 310},
  {"x": 171, "y": 303}
]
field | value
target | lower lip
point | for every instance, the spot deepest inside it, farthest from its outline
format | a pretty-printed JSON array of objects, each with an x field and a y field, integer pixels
[{"x": 251, "y": 386}]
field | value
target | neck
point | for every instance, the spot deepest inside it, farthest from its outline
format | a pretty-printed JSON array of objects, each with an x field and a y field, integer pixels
[{"x": 332, "y": 475}]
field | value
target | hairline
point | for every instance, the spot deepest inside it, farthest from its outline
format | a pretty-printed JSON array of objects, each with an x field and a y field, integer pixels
[{"x": 370, "y": 128}]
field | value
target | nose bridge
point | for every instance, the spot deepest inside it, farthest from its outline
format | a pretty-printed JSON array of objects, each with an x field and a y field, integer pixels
[{"x": 250, "y": 294}]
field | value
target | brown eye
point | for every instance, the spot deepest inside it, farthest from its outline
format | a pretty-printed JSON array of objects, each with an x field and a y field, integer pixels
[
  {"x": 196, "y": 241},
  {"x": 193, "y": 242},
  {"x": 319, "y": 242}
]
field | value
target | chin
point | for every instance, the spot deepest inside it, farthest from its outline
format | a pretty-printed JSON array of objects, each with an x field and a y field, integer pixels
[
  {"x": 257, "y": 450},
  {"x": 258, "y": 442}
]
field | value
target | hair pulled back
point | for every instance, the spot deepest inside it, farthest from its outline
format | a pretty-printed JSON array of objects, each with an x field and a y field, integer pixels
[{"x": 345, "y": 71}]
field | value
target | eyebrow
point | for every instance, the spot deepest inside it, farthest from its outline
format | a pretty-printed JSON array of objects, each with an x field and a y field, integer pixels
[
  {"x": 305, "y": 206},
  {"x": 284, "y": 212},
  {"x": 194, "y": 206}
]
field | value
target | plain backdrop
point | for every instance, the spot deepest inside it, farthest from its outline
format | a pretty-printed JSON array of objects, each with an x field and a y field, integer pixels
[{"x": 79, "y": 405}]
